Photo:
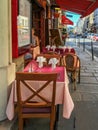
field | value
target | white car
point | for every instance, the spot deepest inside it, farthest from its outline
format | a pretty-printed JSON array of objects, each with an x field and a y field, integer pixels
[
  {"x": 91, "y": 36},
  {"x": 88, "y": 35}
]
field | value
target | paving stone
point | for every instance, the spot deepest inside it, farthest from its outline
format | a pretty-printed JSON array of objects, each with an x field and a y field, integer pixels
[
  {"x": 91, "y": 88},
  {"x": 88, "y": 80},
  {"x": 89, "y": 70},
  {"x": 89, "y": 96},
  {"x": 97, "y": 78},
  {"x": 86, "y": 115},
  {"x": 96, "y": 74},
  {"x": 86, "y": 74},
  {"x": 76, "y": 96},
  {"x": 82, "y": 71}
]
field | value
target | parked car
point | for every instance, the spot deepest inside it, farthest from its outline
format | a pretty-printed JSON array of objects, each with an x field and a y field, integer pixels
[
  {"x": 90, "y": 36},
  {"x": 84, "y": 35},
  {"x": 95, "y": 37}
]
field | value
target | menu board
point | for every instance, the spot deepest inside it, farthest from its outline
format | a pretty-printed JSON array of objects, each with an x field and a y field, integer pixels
[{"x": 23, "y": 23}]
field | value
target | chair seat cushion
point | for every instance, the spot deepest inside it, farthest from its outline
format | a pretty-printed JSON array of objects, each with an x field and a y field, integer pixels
[{"x": 37, "y": 110}]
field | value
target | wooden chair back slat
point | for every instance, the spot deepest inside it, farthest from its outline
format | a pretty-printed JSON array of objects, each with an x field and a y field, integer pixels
[
  {"x": 23, "y": 77},
  {"x": 36, "y": 93}
]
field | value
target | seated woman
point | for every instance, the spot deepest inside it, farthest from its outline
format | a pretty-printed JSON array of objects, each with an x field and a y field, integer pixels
[{"x": 34, "y": 46}]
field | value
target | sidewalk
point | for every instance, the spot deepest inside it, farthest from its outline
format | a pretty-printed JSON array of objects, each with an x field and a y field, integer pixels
[
  {"x": 86, "y": 95},
  {"x": 85, "y": 114},
  {"x": 89, "y": 73}
]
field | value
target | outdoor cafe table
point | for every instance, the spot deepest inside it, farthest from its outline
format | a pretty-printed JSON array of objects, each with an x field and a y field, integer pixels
[
  {"x": 60, "y": 50},
  {"x": 62, "y": 92}
]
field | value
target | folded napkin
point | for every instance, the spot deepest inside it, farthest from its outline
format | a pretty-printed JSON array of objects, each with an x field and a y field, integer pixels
[
  {"x": 61, "y": 50},
  {"x": 60, "y": 46},
  {"x": 53, "y": 47},
  {"x": 40, "y": 60},
  {"x": 66, "y": 50},
  {"x": 72, "y": 50},
  {"x": 48, "y": 47},
  {"x": 53, "y": 61}
]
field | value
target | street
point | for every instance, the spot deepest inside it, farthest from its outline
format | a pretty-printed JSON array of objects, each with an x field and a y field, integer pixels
[{"x": 86, "y": 43}]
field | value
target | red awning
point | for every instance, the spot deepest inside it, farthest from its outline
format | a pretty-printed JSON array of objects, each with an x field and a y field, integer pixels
[
  {"x": 82, "y": 7},
  {"x": 66, "y": 20}
]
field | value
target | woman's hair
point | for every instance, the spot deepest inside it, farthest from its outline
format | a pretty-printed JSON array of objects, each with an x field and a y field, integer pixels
[
  {"x": 33, "y": 28},
  {"x": 35, "y": 31}
]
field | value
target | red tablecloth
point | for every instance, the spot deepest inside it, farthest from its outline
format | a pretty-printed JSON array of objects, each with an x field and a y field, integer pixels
[
  {"x": 35, "y": 68},
  {"x": 61, "y": 51}
]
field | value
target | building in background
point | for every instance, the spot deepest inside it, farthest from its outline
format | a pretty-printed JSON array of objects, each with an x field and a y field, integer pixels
[
  {"x": 96, "y": 20},
  {"x": 79, "y": 26},
  {"x": 91, "y": 22}
]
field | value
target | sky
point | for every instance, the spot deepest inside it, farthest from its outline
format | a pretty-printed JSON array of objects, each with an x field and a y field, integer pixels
[{"x": 73, "y": 17}]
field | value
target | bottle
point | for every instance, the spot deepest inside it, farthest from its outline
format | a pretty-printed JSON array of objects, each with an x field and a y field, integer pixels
[{"x": 30, "y": 68}]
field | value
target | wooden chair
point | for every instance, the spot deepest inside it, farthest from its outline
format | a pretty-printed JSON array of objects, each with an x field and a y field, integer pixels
[
  {"x": 72, "y": 64},
  {"x": 48, "y": 56},
  {"x": 28, "y": 108}
]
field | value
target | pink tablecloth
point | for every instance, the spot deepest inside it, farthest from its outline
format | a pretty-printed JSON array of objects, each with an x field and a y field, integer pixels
[{"x": 62, "y": 96}]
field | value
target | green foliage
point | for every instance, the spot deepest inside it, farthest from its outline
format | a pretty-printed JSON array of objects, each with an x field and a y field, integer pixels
[{"x": 64, "y": 31}]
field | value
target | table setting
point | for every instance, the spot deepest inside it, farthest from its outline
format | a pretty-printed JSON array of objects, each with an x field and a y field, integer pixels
[
  {"x": 59, "y": 50},
  {"x": 62, "y": 91}
]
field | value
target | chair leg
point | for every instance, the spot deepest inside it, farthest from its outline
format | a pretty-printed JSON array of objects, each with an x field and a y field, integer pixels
[
  {"x": 56, "y": 119},
  {"x": 79, "y": 77},
  {"x": 70, "y": 77},
  {"x": 51, "y": 124},
  {"x": 74, "y": 80},
  {"x": 57, "y": 112},
  {"x": 52, "y": 121},
  {"x": 55, "y": 123},
  {"x": 20, "y": 124},
  {"x": 74, "y": 84}
]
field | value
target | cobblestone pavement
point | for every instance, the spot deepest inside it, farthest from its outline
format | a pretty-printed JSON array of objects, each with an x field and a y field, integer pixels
[
  {"x": 87, "y": 90},
  {"x": 85, "y": 114}
]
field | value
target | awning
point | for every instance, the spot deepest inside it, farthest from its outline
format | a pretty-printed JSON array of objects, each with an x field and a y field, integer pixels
[
  {"x": 82, "y": 7},
  {"x": 66, "y": 21}
]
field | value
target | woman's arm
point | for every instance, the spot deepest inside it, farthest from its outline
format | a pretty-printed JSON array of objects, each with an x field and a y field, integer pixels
[{"x": 37, "y": 40}]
